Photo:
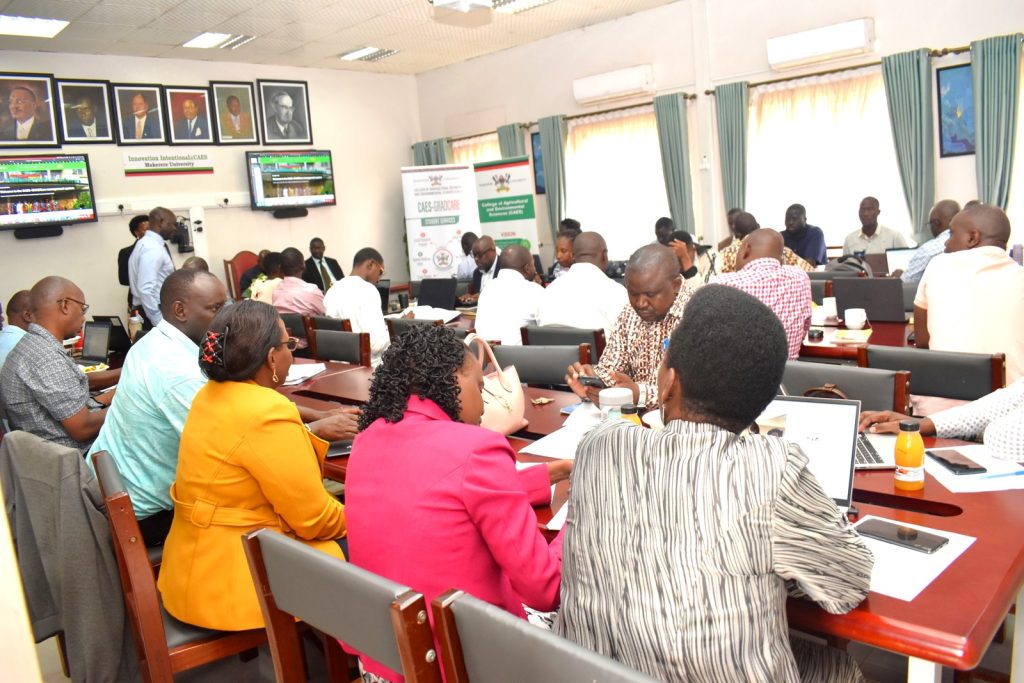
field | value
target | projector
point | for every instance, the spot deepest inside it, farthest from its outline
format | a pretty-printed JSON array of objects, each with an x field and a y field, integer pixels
[{"x": 462, "y": 5}]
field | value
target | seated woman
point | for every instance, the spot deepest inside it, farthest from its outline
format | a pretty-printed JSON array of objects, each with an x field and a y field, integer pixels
[
  {"x": 682, "y": 545},
  {"x": 563, "y": 254},
  {"x": 245, "y": 461},
  {"x": 433, "y": 500},
  {"x": 262, "y": 287}
]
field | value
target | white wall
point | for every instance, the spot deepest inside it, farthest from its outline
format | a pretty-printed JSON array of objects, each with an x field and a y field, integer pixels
[{"x": 368, "y": 121}]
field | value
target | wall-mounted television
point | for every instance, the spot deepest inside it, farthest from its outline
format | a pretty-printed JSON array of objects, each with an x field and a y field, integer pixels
[
  {"x": 288, "y": 182},
  {"x": 41, "y": 193}
]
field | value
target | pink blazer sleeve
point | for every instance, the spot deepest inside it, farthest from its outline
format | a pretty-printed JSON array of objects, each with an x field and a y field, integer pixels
[{"x": 536, "y": 483}]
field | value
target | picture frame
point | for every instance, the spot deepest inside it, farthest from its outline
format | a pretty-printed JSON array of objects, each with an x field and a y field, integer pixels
[
  {"x": 282, "y": 124},
  {"x": 538, "y": 164},
  {"x": 235, "y": 118},
  {"x": 85, "y": 112},
  {"x": 131, "y": 98},
  {"x": 955, "y": 92},
  {"x": 188, "y": 115},
  {"x": 28, "y": 99}
]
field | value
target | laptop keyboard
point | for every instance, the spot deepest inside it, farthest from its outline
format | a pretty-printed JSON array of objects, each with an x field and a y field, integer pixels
[{"x": 866, "y": 453}]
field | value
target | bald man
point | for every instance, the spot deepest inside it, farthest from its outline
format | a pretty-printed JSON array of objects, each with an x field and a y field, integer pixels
[
  {"x": 743, "y": 224},
  {"x": 872, "y": 238},
  {"x": 971, "y": 298},
  {"x": 585, "y": 296},
  {"x": 150, "y": 264},
  {"x": 511, "y": 300},
  {"x": 19, "y": 315},
  {"x": 42, "y": 390},
  {"x": 784, "y": 289},
  {"x": 938, "y": 220},
  {"x": 636, "y": 345}
]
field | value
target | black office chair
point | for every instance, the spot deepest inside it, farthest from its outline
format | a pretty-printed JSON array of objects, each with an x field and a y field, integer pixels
[
  {"x": 344, "y": 347},
  {"x": 322, "y": 322},
  {"x": 558, "y": 335},
  {"x": 542, "y": 365},
  {"x": 832, "y": 274},
  {"x": 909, "y": 294},
  {"x": 398, "y": 326},
  {"x": 875, "y": 389},
  {"x": 946, "y": 374}
]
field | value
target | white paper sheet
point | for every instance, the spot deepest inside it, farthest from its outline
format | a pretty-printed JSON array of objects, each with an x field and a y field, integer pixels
[
  {"x": 585, "y": 416},
  {"x": 300, "y": 372},
  {"x": 428, "y": 313},
  {"x": 903, "y": 573},
  {"x": 560, "y": 443},
  {"x": 976, "y": 483},
  {"x": 558, "y": 521}
]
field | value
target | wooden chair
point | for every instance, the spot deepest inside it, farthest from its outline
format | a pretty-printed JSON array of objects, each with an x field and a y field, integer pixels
[
  {"x": 322, "y": 322},
  {"x": 833, "y": 274},
  {"x": 296, "y": 325},
  {"x": 558, "y": 335},
  {"x": 164, "y": 644},
  {"x": 345, "y": 347},
  {"x": 481, "y": 642},
  {"x": 542, "y": 365},
  {"x": 234, "y": 268},
  {"x": 381, "y": 619},
  {"x": 947, "y": 374},
  {"x": 397, "y": 326},
  {"x": 875, "y": 389}
]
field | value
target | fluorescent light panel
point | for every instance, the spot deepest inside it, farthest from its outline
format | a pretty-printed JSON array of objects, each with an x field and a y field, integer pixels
[
  {"x": 208, "y": 40},
  {"x": 32, "y": 27},
  {"x": 821, "y": 44},
  {"x": 368, "y": 54},
  {"x": 237, "y": 42},
  {"x": 516, "y": 6}
]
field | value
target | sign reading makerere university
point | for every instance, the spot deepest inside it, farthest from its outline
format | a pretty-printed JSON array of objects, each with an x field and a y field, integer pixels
[
  {"x": 505, "y": 201},
  {"x": 440, "y": 206},
  {"x": 166, "y": 163}
]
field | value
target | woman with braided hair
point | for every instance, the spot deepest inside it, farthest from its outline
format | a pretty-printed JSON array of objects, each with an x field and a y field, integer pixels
[
  {"x": 245, "y": 461},
  {"x": 434, "y": 501}
]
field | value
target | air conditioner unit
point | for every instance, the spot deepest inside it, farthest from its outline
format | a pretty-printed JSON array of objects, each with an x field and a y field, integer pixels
[
  {"x": 822, "y": 44},
  {"x": 636, "y": 81}
]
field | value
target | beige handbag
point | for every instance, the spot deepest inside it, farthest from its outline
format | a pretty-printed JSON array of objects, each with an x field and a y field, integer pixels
[{"x": 504, "y": 402}]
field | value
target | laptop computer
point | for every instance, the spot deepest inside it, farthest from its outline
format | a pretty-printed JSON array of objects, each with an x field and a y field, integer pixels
[
  {"x": 438, "y": 293},
  {"x": 95, "y": 344},
  {"x": 881, "y": 298},
  {"x": 120, "y": 342},
  {"x": 878, "y": 264},
  {"x": 384, "y": 289},
  {"x": 899, "y": 259}
]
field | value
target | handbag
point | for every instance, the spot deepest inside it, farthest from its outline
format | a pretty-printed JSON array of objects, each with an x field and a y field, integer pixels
[{"x": 504, "y": 402}]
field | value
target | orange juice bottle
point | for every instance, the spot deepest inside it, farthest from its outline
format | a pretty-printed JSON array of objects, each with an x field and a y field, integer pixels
[{"x": 909, "y": 457}]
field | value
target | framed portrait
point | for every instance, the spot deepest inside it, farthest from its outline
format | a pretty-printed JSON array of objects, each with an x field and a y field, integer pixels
[
  {"x": 234, "y": 113},
  {"x": 84, "y": 111},
  {"x": 538, "y": 164},
  {"x": 285, "y": 108},
  {"x": 140, "y": 114},
  {"x": 28, "y": 115},
  {"x": 188, "y": 113},
  {"x": 956, "y": 110}
]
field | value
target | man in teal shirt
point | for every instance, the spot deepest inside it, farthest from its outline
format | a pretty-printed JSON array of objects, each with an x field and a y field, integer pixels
[{"x": 19, "y": 315}]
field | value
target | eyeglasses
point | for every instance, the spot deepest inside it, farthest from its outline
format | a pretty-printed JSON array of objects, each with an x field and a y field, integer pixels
[
  {"x": 85, "y": 306},
  {"x": 290, "y": 342},
  {"x": 478, "y": 254}
]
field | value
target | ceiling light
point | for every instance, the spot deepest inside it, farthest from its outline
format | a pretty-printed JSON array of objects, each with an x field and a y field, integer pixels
[
  {"x": 32, "y": 27},
  {"x": 822, "y": 44},
  {"x": 516, "y": 6},
  {"x": 379, "y": 55},
  {"x": 368, "y": 54},
  {"x": 462, "y": 5},
  {"x": 237, "y": 42},
  {"x": 208, "y": 40}
]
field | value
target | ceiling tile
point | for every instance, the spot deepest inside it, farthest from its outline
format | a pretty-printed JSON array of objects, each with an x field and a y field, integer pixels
[
  {"x": 116, "y": 14},
  {"x": 248, "y": 25},
  {"x": 130, "y": 5},
  {"x": 67, "y": 10},
  {"x": 301, "y": 31},
  {"x": 92, "y": 31}
]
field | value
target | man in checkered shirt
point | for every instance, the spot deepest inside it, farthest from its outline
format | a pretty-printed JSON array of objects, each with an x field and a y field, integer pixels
[{"x": 784, "y": 289}]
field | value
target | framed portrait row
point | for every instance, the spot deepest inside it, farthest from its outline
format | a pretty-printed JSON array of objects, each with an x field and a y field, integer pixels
[{"x": 39, "y": 110}]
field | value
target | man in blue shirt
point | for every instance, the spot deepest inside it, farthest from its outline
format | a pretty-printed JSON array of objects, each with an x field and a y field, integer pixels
[
  {"x": 938, "y": 220},
  {"x": 150, "y": 264},
  {"x": 19, "y": 315},
  {"x": 807, "y": 241}
]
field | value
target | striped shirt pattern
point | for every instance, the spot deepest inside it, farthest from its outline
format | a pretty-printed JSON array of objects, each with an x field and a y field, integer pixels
[
  {"x": 998, "y": 417},
  {"x": 681, "y": 547}
]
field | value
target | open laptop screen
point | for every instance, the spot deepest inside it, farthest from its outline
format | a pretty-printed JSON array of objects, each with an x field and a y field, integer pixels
[
  {"x": 97, "y": 341},
  {"x": 899, "y": 259}
]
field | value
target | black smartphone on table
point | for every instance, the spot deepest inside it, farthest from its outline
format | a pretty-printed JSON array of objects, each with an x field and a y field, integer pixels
[
  {"x": 956, "y": 462},
  {"x": 905, "y": 536},
  {"x": 590, "y": 381}
]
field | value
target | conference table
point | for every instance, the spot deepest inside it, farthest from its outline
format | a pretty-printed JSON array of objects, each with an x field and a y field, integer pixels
[
  {"x": 950, "y": 623},
  {"x": 882, "y": 334}
]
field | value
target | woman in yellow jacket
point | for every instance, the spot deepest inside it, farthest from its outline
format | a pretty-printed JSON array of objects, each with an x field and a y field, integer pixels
[{"x": 245, "y": 461}]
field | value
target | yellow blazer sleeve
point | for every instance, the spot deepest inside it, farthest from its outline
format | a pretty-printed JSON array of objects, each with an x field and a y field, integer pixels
[{"x": 279, "y": 454}]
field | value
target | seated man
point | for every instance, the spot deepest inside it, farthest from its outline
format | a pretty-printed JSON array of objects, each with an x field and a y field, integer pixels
[
  {"x": 356, "y": 298},
  {"x": 743, "y": 225},
  {"x": 637, "y": 343},
  {"x": 807, "y": 241},
  {"x": 682, "y": 545},
  {"x": 19, "y": 316},
  {"x": 295, "y": 295},
  {"x": 485, "y": 253},
  {"x": 971, "y": 298},
  {"x": 585, "y": 296},
  {"x": 938, "y": 220},
  {"x": 160, "y": 378},
  {"x": 512, "y": 299},
  {"x": 872, "y": 238},
  {"x": 42, "y": 389},
  {"x": 784, "y": 289},
  {"x": 467, "y": 264},
  {"x": 252, "y": 273}
]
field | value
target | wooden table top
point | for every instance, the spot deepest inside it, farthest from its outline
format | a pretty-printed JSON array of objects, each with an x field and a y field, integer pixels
[{"x": 883, "y": 334}]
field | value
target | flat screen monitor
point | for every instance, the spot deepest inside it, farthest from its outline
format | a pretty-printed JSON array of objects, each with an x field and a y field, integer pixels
[
  {"x": 282, "y": 180},
  {"x": 45, "y": 190}
]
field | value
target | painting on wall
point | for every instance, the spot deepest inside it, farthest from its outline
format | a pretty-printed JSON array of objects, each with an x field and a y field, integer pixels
[
  {"x": 285, "y": 112},
  {"x": 140, "y": 116},
  {"x": 28, "y": 117},
  {"x": 235, "y": 111},
  {"x": 956, "y": 110}
]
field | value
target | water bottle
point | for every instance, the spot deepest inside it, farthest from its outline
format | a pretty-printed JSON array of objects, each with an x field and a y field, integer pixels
[{"x": 134, "y": 325}]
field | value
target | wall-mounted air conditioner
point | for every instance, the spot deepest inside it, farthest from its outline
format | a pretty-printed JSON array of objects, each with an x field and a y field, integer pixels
[
  {"x": 822, "y": 44},
  {"x": 636, "y": 81}
]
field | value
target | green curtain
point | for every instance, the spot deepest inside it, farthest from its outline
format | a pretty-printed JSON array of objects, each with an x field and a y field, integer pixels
[
  {"x": 908, "y": 89},
  {"x": 673, "y": 139},
  {"x": 510, "y": 139},
  {"x": 552, "y": 151},
  {"x": 731, "y": 102},
  {"x": 432, "y": 152},
  {"x": 995, "y": 72}
]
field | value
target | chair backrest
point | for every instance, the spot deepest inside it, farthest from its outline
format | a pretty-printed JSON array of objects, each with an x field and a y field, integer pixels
[
  {"x": 909, "y": 294},
  {"x": 398, "y": 326},
  {"x": 383, "y": 620},
  {"x": 295, "y": 323},
  {"x": 438, "y": 292},
  {"x": 481, "y": 642},
  {"x": 947, "y": 374},
  {"x": 875, "y": 389},
  {"x": 234, "y": 268},
  {"x": 346, "y": 347},
  {"x": 322, "y": 322},
  {"x": 832, "y": 274},
  {"x": 818, "y": 293},
  {"x": 557, "y": 335},
  {"x": 542, "y": 364}
]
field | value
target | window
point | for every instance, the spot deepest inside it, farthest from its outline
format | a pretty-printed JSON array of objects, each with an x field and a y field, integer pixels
[
  {"x": 824, "y": 142},
  {"x": 476, "y": 149},
  {"x": 613, "y": 177},
  {"x": 1015, "y": 206}
]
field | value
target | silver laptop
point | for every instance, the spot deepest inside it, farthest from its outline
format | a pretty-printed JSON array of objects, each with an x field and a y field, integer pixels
[{"x": 899, "y": 259}]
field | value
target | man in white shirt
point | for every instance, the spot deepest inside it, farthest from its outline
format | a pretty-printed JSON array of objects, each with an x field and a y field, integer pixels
[
  {"x": 872, "y": 238},
  {"x": 150, "y": 264},
  {"x": 971, "y": 298},
  {"x": 356, "y": 298},
  {"x": 486, "y": 254},
  {"x": 584, "y": 297},
  {"x": 468, "y": 264},
  {"x": 512, "y": 299}
]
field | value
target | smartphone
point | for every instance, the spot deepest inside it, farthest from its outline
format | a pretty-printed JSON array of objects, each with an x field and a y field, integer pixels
[
  {"x": 956, "y": 462},
  {"x": 905, "y": 536},
  {"x": 589, "y": 381}
]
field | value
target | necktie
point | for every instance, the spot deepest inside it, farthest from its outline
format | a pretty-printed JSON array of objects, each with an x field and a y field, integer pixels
[
  {"x": 325, "y": 276},
  {"x": 22, "y": 133},
  {"x": 191, "y": 124},
  {"x": 138, "y": 128}
]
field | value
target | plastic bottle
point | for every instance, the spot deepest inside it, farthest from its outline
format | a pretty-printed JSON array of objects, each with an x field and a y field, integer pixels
[
  {"x": 134, "y": 325},
  {"x": 909, "y": 457},
  {"x": 630, "y": 415}
]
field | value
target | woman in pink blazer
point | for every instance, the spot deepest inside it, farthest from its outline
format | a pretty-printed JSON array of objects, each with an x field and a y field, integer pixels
[{"x": 433, "y": 500}]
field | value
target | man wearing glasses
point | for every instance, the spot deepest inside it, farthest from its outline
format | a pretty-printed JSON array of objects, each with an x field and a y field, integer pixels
[
  {"x": 485, "y": 252},
  {"x": 357, "y": 299},
  {"x": 43, "y": 391}
]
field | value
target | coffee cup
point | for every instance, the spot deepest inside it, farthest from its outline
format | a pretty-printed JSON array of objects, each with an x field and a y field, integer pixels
[
  {"x": 855, "y": 318},
  {"x": 828, "y": 304}
]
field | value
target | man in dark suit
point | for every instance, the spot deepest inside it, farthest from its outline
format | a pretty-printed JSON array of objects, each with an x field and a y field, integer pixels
[
  {"x": 84, "y": 125},
  {"x": 487, "y": 266},
  {"x": 321, "y": 271},
  {"x": 143, "y": 124},
  {"x": 193, "y": 126},
  {"x": 25, "y": 125},
  {"x": 280, "y": 119},
  {"x": 137, "y": 227}
]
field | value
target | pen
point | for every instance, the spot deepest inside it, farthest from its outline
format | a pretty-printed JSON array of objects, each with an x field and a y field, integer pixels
[{"x": 1004, "y": 474}]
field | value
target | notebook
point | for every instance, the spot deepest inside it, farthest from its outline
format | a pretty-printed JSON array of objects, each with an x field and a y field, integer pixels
[
  {"x": 95, "y": 344},
  {"x": 881, "y": 298}
]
